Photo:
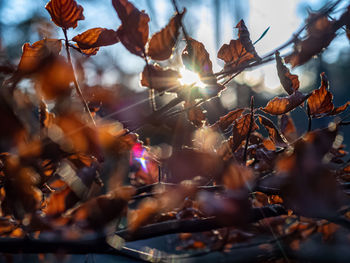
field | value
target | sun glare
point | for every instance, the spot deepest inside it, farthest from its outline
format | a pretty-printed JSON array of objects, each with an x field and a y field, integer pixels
[{"x": 190, "y": 78}]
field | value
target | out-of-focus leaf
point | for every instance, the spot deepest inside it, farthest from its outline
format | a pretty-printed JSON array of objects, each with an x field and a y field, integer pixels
[
  {"x": 162, "y": 43},
  {"x": 289, "y": 82},
  {"x": 237, "y": 176},
  {"x": 96, "y": 37},
  {"x": 225, "y": 121},
  {"x": 34, "y": 55},
  {"x": 239, "y": 51},
  {"x": 153, "y": 76},
  {"x": 195, "y": 115},
  {"x": 143, "y": 214},
  {"x": 241, "y": 128},
  {"x": 65, "y": 13},
  {"x": 282, "y": 105},
  {"x": 275, "y": 135},
  {"x": 133, "y": 32},
  {"x": 320, "y": 35}
]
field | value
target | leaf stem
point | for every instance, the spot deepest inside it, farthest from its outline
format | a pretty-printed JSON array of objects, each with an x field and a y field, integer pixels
[
  {"x": 250, "y": 129},
  {"x": 76, "y": 84}
]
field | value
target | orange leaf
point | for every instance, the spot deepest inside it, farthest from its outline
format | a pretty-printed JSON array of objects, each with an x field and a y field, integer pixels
[
  {"x": 225, "y": 121},
  {"x": 88, "y": 52},
  {"x": 153, "y": 76},
  {"x": 238, "y": 51},
  {"x": 320, "y": 101},
  {"x": 289, "y": 82},
  {"x": 96, "y": 37},
  {"x": 65, "y": 13},
  {"x": 196, "y": 58},
  {"x": 340, "y": 109},
  {"x": 237, "y": 176},
  {"x": 33, "y": 55},
  {"x": 282, "y": 105},
  {"x": 195, "y": 115},
  {"x": 240, "y": 130},
  {"x": 162, "y": 43},
  {"x": 133, "y": 32},
  {"x": 288, "y": 128}
]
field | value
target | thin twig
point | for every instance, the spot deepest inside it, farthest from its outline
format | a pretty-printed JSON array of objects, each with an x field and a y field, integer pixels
[
  {"x": 250, "y": 128},
  {"x": 76, "y": 85}
]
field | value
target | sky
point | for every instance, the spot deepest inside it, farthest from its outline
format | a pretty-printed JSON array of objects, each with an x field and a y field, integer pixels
[{"x": 284, "y": 17}]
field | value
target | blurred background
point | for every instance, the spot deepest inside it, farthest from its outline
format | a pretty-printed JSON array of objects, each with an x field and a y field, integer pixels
[{"x": 116, "y": 73}]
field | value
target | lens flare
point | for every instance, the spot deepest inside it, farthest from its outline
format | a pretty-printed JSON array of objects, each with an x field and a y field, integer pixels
[{"x": 190, "y": 78}]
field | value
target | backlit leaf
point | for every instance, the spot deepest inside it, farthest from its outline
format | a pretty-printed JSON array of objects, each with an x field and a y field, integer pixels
[
  {"x": 195, "y": 114},
  {"x": 225, "y": 121},
  {"x": 162, "y": 43},
  {"x": 275, "y": 135},
  {"x": 133, "y": 33},
  {"x": 65, "y": 13},
  {"x": 289, "y": 82},
  {"x": 241, "y": 128},
  {"x": 96, "y": 37},
  {"x": 282, "y": 105},
  {"x": 287, "y": 127}
]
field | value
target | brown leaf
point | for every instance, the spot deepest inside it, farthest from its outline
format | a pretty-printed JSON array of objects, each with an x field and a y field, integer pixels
[
  {"x": 238, "y": 51},
  {"x": 320, "y": 101},
  {"x": 287, "y": 127},
  {"x": 87, "y": 52},
  {"x": 275, "y": 135},
  {"x": 225, "y": 121},
  {"x": 282, "y": 105},
  {"x": 195, "y": 115},
  {"x": 34, "y": 55},
  {"x": 60, "y": 201},
  {"x": 237, "y": 176},
  {"x": 162, "y": 43},
  {"x": 133, "y": 33},
  {"x": 240, "y": 130},
  {"x": 153, "y": 76},
  {"x": 320, "y": 35},
  {"x": 65, "y": 13},
  {"x": 144, "y": 214},
  {"x": 339, "y": 109},
  {"x": 289, "y": 82},
  {"x": 195, "y": 57},
  {"x": 96, "y": 37}
]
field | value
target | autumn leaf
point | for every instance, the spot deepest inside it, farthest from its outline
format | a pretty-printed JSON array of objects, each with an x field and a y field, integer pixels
[
  {"x": 96, "y": 37},
  {"x": 289, "y": 82},
  {"x": 195, "y": 114},
  {"x": 275, "y": 135},
  {"x": 196, "y": 58},
  {"x": 225, "y": 121},
  {"x": 320, "y": 102},
  {"x": 282, "y": 105},
  {"x": 153, "y": 76},
  {"x": 321, "y": 32},
  {"x": 241, "y": 128},
  {"x": 88, "y": 52},
  {"x": 237, "y": 176},
  {"x": 238, "y": 51},
  {"x": 133, "y": 33},
  {"x": 65, "y": 13},
  {"x": 36, "y": 54},
  {"x": 287, "y": 127},
  {"x": 162, "y": 43}
]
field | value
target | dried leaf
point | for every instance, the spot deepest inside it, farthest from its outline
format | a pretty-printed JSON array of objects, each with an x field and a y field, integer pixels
[
  {"x": 239, "y": 51},
  {"x": 240, "y": 130},
  {"x": 34, "y": 55},
  {"x": 287, "y": 127},
  {"x": 87, "y": 52},
  {"x": 282, "y": 105},
  {"x": 133, "y": 33},
  {"x": 289, "y": 82},
  {"x": 195, "y": 115},
  {"x": 96, "y": 37},
  {"x": 225, "y": 121},
  {"x": 161, "y": 45},
  {"x": 320, "y": 35},
  {"x": 153, "y": 76},
  {"x": 275, "y": 135},
  {"x": 65, "y": 13},
  {"x": 196, "y": 58},
  {"x": 145, "y": 213},
  {"x": 237, "y": 176}
]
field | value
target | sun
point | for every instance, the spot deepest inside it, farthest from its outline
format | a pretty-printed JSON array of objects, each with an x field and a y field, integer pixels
[{"x": 190, "y": 78}]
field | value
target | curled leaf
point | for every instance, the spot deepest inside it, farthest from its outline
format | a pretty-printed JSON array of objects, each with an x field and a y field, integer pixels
[
  {"x": 287, "y": 127},
  {"x": 96, "y": 37},
  {"x": 289, "y": 82},
  {"x": 65, "y": 13},
  {"x": 153, "y": 76},
  {"x": 275, "y": 135},
  {"x": 282, "y": 105},
  {"x": 133, "y": 33},
  {"x": 225, "y": 121},
  {"x": 162, "y": 43},
  {"x": 241, "y": 129}
]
